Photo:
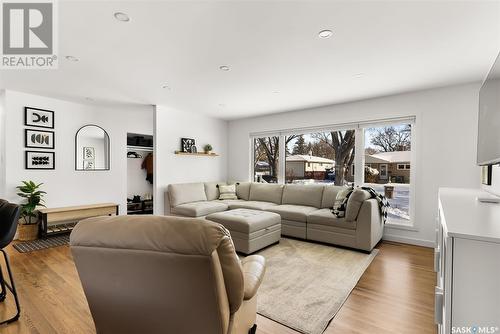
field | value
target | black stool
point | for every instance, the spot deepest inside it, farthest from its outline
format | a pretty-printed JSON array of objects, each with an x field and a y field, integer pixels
[{"x": 9, "y": 215}]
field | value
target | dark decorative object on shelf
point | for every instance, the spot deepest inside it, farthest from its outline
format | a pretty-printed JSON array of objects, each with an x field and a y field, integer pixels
[
  {"x": 194, "y": 149},
  {"x": 40, "y": 160},
  {"x": 39, "y": 139},
  {"x": 186, "y": 144},
  {"x": 486, "y": 175},
  {"x": 39, "y": 118}
]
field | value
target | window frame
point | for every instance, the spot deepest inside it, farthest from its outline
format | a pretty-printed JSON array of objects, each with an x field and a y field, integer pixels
[{"x": 359, "y": 159}]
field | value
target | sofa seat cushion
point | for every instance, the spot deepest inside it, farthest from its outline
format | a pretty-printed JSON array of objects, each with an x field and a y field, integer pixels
[
  {"x": 253, "y": 205},
  {"x": 327, "y": 218},
  {"x": 293, "y": 212},
  {"x": 199, "y": 209}
]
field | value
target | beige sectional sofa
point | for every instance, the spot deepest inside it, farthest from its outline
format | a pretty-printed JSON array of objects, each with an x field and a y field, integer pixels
[{"x": 304, "y": 209}]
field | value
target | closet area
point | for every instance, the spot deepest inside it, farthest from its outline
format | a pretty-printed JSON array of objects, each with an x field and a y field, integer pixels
[{"x": 139, "y": 174}]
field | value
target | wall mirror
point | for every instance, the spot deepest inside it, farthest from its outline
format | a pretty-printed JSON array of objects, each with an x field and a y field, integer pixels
[{"x": 92, "y": 148}]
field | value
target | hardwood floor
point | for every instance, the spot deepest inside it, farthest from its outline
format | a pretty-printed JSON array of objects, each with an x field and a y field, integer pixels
[{"x": 394, "y": 295}]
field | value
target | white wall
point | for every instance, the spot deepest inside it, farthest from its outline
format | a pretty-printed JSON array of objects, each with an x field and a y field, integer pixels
[
  {"x": 445, "y": 130},
  {"x": 64, "y": 185},
  {"x": 170, "y": 126}
]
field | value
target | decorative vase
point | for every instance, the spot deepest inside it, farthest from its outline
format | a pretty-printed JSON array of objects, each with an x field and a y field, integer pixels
[{"x": 27, "y": 232}]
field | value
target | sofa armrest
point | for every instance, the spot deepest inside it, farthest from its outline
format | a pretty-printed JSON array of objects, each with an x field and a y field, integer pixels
[
  {"x": 254, "y": 268},
  {"x": 369, "y": 225}
]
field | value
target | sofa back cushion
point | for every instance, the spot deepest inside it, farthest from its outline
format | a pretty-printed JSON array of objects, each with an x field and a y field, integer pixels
[
  {"x": 243, "y": 190},
  {"x": 354, "y": 203},
  {"x": 212, "y": 191},
  {"x": 266, "y": 192},
  {"x": 181, "y": 193},
  {"x": 329, "y": 195},
  {"x": 298, "y": 194}
]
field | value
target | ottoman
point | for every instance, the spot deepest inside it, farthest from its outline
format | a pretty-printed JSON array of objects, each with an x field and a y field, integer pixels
[{"x": 250, "y": 230}]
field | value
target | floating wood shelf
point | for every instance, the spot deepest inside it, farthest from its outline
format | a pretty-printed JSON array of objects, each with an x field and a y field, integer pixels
[{"x": 197, "y": 154}]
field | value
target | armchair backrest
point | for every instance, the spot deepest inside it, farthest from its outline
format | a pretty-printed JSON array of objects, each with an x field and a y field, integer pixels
[
  {"x": 9, "y": 215},
  {"x": 155, "y": 274}
]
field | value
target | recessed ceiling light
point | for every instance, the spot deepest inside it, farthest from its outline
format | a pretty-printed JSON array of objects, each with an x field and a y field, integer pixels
[
  {"x": 72, "y": 58},
  {"x": 120, "y": 16},
  {"x": 359, "y": 75},
  {"x": 89, "y": 99},
  {"x": 222, "y": 105},
  {"x": 276, "y": 92},
  {"x": 165, "y": 86},
  {"x": 325, "y": 33},
  {"x": 224, "y": 68}
]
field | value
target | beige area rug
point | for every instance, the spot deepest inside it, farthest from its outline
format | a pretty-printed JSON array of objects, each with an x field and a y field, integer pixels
[{"x": 306, "y": 283}]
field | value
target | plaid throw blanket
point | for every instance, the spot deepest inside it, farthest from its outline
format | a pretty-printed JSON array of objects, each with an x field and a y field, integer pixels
[{"x": 383, "y": 203}]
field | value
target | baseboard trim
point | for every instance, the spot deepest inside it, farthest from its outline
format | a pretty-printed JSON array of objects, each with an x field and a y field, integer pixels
[{"x": 410, "y": 241}]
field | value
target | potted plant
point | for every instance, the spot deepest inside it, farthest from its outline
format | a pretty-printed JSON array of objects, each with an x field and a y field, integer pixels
[
  {"x": 33, "y": 197},
  {"x": 208, "y": 148}
]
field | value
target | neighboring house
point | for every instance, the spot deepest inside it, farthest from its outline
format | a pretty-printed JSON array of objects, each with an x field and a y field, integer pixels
[
  {"x": 307, "y": 167},
  {"x": 394, "y": 166}
]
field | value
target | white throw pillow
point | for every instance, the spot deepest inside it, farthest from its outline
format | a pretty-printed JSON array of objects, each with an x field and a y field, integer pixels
[{"x": 227, "y": 192}]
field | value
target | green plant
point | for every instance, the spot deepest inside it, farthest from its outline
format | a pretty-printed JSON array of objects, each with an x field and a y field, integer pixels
[
  {"x": 30, "y": 191},
  {"x": 207, "y": 148}
]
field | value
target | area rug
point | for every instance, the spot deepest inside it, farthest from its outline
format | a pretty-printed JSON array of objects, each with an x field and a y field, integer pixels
[
  {"x": 306, "y": 283},
  {"x": 39, "y": 244}
]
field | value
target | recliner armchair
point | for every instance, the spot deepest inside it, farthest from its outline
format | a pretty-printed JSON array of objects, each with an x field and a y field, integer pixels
[{"x": 155, "y": 274}]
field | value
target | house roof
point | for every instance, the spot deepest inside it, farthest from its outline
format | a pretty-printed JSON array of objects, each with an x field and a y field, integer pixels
[
  {"x": 391, "y": 157},
  {"x": 308, "y": 158}
]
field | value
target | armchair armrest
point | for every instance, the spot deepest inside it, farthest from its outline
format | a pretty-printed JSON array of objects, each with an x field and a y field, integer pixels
[{"x": 254, "y": 268}]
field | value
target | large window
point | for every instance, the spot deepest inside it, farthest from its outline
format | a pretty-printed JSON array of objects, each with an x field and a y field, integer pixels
[
  {"x": 388, "y": 161},
  {"x": 329, "y": 156},
  {"x": 266, "y": 159},
  {"x": 320, "y": 157}
]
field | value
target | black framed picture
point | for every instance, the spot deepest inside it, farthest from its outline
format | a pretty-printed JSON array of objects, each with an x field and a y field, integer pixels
[
  {"x": 39, "y": 118},
  {"x": 39, "y": 139},
  {"x": 40, "y": 160},
  {"x": 187, "y": 144}
]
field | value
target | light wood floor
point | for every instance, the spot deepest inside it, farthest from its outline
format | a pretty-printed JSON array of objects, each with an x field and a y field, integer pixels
[{"x": 395, "y": 295}]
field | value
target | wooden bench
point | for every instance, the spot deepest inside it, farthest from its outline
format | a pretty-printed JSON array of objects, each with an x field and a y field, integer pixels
[{"x": 62, "y": 220}]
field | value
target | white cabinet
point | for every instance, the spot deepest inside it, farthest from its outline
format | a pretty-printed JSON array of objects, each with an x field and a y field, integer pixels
[{"x": 467, "y": 260}]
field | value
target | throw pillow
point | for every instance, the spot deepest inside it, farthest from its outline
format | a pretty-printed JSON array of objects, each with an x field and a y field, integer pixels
[
  {"x": 340, "y": 204},
  {"x": 227, "y": 192}
]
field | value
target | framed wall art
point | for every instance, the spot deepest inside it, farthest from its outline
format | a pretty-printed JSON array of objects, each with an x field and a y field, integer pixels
[
  {"x": 39, "y": 118},
  {"x": 40, "y": 160},
  {"x": 187, "y": 144},
  {"x": 39, "y": 139}
]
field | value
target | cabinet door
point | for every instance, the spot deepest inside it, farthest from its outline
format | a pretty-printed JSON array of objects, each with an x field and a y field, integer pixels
[{"x": 476, "y": 284}]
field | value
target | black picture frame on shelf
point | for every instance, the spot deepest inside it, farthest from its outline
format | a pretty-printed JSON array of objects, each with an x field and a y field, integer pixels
[
  {"x": 186, "y": 144},
  {"x": 39, "y": 139},
  {"x": 39, "y": 118},
  {"x": 40, "y": 160}
]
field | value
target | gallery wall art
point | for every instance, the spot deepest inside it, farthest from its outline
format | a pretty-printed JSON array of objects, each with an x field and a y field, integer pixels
[
  {"x": 35, "y": 138},
  {"x": 39, "y": 118},
  {"x": 39, "y": 139},
  {"x": 40, "y": 160}
]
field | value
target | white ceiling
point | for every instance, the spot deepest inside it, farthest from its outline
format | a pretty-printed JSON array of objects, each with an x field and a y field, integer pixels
[{"x": 271, "y": 46}]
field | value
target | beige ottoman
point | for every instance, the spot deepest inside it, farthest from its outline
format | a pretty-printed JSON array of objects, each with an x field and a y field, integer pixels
[{"x": 250, "y": 230}]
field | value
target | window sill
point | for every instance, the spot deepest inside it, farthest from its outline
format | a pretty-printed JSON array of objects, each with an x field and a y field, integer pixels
[{"x": 401, "y": 226}]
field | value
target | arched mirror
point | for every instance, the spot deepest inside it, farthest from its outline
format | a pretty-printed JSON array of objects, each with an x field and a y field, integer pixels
[{"x": 92, "y": 148}]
